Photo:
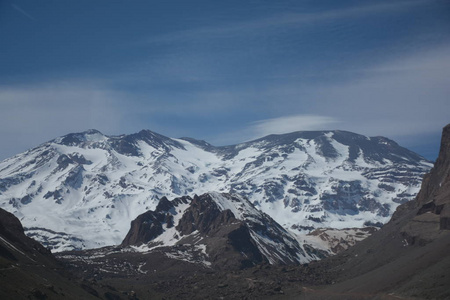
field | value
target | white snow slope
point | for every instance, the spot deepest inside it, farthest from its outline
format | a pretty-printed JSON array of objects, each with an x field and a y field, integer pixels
[{"x": 82, "y": 190}]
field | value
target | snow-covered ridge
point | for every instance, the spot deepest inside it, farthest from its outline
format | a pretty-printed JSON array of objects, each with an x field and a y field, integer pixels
[
  {"x": 91, "y": 186},
  {"x": 221, "y": 225}
]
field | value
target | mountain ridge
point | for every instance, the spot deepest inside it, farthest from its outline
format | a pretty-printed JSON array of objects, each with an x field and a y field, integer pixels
[
  {"x": 407, "y": 258},
  {"x": 223, "y": 226},
  {"x": 304, "y": 180}
]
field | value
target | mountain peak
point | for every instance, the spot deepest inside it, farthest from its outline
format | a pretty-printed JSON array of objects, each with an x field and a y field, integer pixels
[
  {"x": 95, "y": 184},
  {"x": 76, "y": 139},
  {"x": 92, "y": 131},
  {"x": 232, "y": 232}
]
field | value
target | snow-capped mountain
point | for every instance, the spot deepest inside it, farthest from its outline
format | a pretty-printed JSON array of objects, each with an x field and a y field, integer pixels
[{"x": 82, "y": 190}]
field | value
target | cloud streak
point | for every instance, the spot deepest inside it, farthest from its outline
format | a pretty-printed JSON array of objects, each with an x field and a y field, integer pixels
[
  {"x": 292, "y": 123},
  {"x": 407, "y": 96},
  {"x": 403, "y": 98},
  {"x": 280, "y": 21},
  {"x": 23, "y": 12}
]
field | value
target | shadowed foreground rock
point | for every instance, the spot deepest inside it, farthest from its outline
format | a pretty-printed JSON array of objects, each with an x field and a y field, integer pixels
[{"x": 30, "y": 271}]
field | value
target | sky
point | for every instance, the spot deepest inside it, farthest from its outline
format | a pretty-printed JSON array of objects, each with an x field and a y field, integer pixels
[{"x": 224, "y": 71}]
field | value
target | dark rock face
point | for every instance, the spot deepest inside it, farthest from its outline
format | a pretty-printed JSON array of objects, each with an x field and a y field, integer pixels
[
  {"x": 187, "y": 225},
  {"x": 431, "y": 208},
  {"x": 240, "y": 239},
  {"x": 434, "y": 196},
  {"x": 11, "y": 229},
  {"x": 144, "y": 228},
  {"x": 149, "y": 225},
  {"x": 65, "y": 160},
  {"x": 204, "y": 215},
  {"x": 30, "y": 271}
]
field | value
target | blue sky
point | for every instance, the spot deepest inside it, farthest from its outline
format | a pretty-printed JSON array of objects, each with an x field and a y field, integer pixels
[{"x": 224, "y": 71}]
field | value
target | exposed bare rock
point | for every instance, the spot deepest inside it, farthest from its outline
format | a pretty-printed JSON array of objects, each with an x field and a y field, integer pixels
[
  {"x": 333, "y": 241},
  {"x": 225, "y": 229},
  {"x": 433, "y": 200}
]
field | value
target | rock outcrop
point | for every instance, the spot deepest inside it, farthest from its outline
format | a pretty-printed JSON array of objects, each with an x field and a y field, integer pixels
[
  {"x": 15, "y": 244},
  {"x": 30, "y": 271},
  {"x": 228, "y": 229},
  {"x": 434, "y": 195}
]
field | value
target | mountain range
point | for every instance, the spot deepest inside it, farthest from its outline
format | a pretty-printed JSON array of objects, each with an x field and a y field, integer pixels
[
  {"x": 82, "y": 190},
  {"x": 219, "y": 245}
]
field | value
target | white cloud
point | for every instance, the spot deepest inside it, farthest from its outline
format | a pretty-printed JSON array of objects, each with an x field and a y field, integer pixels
[
  {"x": 402, "y": 97},
  {"x": 280, "y": 125},
  {"x": 32, "y": 114},
  {"x": 292, "y": 123}
]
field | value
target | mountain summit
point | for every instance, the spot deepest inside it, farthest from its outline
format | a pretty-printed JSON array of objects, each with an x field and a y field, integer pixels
[{"x": 82, "y": 190}]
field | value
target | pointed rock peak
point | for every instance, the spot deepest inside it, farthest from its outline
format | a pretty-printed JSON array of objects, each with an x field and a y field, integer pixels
[
  {"x": 146, "y": 133},
  {"x": 204, "y": 216},
  {"x": 164, "y": 205},
  {"x": 432, "y": 204},
  {"x": 210, "y": 221},
  {"x": 153, "y": 139},
  {"x": 446, "y": 132},
  {"x": 436, "y": 184},
  {"x": 205, "y": 203},
  {"x": 444, "y": 152}
]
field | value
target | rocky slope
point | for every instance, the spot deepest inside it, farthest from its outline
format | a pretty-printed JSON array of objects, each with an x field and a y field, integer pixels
[
  {"x": 331, "y": 241},
  {"x": 29, "y": 271},
  {"x": 210, "y": 232},
  {"x": 82, "y": 190},
  {"x": 434, "y": 196},
  {"x": 227, "y": 230},
  {"x": 409, "y": 257}
]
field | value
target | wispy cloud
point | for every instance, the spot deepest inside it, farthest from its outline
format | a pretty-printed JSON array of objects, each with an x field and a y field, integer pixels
[
  {"x": 282, "y": 20},
  {"x": 32, "y": 114},
  {"x": 402, "y": 98},
  {"x": 406, "y": 96},
  {"x": 23, "y": 12},
  {"x": 292, "y": 123},
  {"x": 280, "y": 125}
]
